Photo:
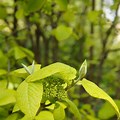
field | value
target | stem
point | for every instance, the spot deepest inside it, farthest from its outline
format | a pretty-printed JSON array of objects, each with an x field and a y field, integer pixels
[{"x": 73, "y": 83}]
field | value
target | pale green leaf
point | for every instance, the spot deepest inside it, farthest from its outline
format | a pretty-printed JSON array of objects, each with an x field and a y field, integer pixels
[
  {"x": 62, "y": 32},
  {"x": 62, "y": 4},
  {"x": 27, "y": 117},
  {"x": 23, "y": 73},
  {"x": 62, "y": 70},
  {"x": 97, "y": 92},
  {"x": 34, "y": 5},
  {"x": 29, "y": 96},
  {"x": 19, "y": 54},
  {"x": 61, "y": 104},
  {"x": 7, "y": 96},
  {"x": 45, "y": 115},
  {"x": 73, "y": 108},
  {"x": 16, "y": 108},
  {"x": 3, "y": 72},
  {"x": 3, "y": 83},
  {"x": 14, "y": 116},
  {"x": 59, "y": 112}
]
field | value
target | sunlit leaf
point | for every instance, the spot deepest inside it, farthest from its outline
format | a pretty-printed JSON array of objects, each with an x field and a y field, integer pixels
[
  {"x": 2, "y": 71},
  {"x": 59, "y": 112},
  {"x": 73, "y": 108},
  {"x": 97, "y": 92},
  {"x": 16, "y": 108},
  {"x": 29, "y": 96},
  {"x": 23, "y": 73},
  {"x": 62, "y": 70},
  {"x": 7, "y": 96},
  {"x": 45, "y": 115},
  {"x": 3, "y": 83},
  {"x": 14, "y": 116},
  {"x": 27, "y": 117}
]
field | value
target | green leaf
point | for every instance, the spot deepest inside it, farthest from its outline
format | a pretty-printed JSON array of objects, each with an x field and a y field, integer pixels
[
  {"x": 59, "y": 113},
  {"x": 19, "y": 54},
  {"x": 3, "y": 12},
  {"x": 62, "y": 32},
  {"x": 14, "y": 116},
  {"x": 107, "y": 111},
  {"x": 16, "y": 108},
  {"x": 3, "y": 112},
  {"x": 34, "y": 5},
  {"x": 97, "y": 92},
  {"x": 27, "y": 117},
  {"x": 27, "y": 52},
  {"x": 94, "y": 16},
  {"x": 3, "y": 72},
  {"x": 73, "y": 109},
  {"x": 23, "y": 73},
  {"x": 45, "y": 115},
  {"x": 20, "y": 13},
  {"x": 29, "y": 96},
  {"x": 62, "y": 4},
  {"x": 3, "y": 84},
  {"x": 62, "y": 70},
  {"x": 7, "y": 96}
]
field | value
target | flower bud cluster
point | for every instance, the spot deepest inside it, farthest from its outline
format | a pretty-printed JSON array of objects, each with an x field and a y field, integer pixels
[{"x": 53, "y": 88}]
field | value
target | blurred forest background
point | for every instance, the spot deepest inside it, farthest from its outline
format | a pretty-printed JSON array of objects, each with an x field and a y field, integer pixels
[{"x": 68, "y": 31}]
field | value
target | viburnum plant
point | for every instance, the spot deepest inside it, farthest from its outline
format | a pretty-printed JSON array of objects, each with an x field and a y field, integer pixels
[{"x": 42, "y": 95}]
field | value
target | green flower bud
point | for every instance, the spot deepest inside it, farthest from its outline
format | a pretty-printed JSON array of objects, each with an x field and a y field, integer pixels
[{"x": 83, "y": 70}]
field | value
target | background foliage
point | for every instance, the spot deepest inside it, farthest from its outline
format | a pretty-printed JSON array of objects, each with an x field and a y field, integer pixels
[{"x": 68, "y": 31}]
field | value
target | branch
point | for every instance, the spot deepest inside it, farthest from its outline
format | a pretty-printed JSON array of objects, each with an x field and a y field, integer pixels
[
  {"x": 114, "y": 50},
  {"x": 108, "y": 32}
]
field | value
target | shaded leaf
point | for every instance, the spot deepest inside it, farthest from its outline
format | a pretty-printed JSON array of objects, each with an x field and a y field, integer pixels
[
  {"x": 107, "y": 111},
  {"x": 3, "y": 12},
  {"x": 19, "y": 54},
  {"x": 20, "y": 13},
  {"x": 62, "y": 32},
  {"x": 34, "y": 5},
  {"x": 83, "y": 70}
]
